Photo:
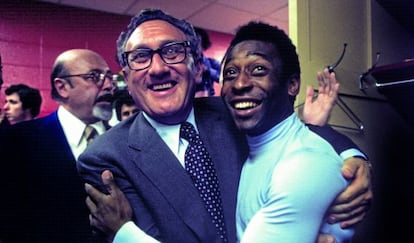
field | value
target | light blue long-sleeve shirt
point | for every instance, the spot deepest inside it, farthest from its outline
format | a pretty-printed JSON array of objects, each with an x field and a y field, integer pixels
[{"x": 290, "y": 179}]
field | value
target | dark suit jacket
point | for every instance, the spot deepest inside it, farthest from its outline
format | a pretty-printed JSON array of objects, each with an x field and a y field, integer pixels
[
  {"x": 165, "y": 202},
  {"x": 46, "y": 197}
]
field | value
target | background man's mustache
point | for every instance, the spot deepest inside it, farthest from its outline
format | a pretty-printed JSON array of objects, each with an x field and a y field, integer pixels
[{"x": 105, "y": 97}]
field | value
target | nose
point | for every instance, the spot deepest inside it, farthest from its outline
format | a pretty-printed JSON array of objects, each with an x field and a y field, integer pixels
[
  {"x": 157, "y": 65},
  {"x": 108, "y": 84},
  {"x": 6, "y": 106},
  {"x": 242, "y": 83}
]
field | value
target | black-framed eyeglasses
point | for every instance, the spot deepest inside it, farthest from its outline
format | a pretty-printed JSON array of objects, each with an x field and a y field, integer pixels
[
  {"x": 171, "y": 53},
  {"x": 97, "y": 77}
]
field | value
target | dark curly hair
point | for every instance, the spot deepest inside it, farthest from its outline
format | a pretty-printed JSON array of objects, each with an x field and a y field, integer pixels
[
  {"x": 260, "y": 31},
  {"x": 30, "y": 97}
]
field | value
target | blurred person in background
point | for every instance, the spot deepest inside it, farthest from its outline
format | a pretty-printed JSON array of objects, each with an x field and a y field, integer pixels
[
  {"x": 22, "y": 103},
  {"x": 211, "y": 67},
  {"x": 124, "y": 105},
  {"x": 45, "y": 195}
]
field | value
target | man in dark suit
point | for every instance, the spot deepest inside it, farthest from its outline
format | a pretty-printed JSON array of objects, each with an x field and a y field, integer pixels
[
  {"x": 47, "y": 200},
  {"x": 162, "y": 63}
]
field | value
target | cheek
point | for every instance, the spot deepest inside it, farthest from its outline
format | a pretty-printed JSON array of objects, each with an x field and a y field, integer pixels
[
  {"x": 136, "y": 91},
  {"x": 83, "y": 94},
  {"x": 17, "y": 108},
  {"x": 134, "y": 80},
  {"x": 225, "y": 88}
]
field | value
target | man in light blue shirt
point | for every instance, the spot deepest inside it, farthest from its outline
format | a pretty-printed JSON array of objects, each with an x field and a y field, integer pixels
[{"x": 292, "y": 174}]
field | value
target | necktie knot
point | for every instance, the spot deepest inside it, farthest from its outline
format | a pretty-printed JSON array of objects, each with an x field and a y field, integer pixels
[
  {"x": 90, "y": 134},
  {"x": 188, "y": 132}
]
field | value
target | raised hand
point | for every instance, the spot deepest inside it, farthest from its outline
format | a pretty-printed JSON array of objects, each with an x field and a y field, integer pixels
[{"x": 317, "y": 109}]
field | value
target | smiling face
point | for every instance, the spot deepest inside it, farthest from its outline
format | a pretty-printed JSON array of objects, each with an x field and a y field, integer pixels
[
  {"x": 163, "y": 91},
  {"x": 252, "y": 91}
]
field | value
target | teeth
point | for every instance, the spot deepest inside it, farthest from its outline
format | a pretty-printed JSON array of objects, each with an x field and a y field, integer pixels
[
  {"x": 162, "y": 86},
  {"x": 245, "y": 105}
]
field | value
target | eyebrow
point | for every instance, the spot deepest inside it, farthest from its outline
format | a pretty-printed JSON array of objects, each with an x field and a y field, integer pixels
[
  {"x": 250, "y": 53},
  {"x": 162, "y": 44},
  {"x": 99, "y": 70},
  {"x": 260, "y": 54}
]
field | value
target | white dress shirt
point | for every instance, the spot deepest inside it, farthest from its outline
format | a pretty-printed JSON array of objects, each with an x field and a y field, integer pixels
[{"x": 73, "y": 128}]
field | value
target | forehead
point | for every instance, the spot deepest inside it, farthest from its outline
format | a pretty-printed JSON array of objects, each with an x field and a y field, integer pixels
[
  {"x": 87, "y": 62},
  {"x": 154, "y": 33},
  {"x": 13, "y": 96},
  {"x": 126, "y": 106},
  {"x": 252, "y": 48}
]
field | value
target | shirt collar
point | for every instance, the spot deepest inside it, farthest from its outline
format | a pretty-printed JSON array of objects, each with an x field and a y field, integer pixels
[
  {"x": 73, "y": 127},
  {"x": 171, "y": 133}
]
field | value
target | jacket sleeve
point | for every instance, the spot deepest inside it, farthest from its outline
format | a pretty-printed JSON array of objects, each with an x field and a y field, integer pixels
[{"x": 339, "y": 141}]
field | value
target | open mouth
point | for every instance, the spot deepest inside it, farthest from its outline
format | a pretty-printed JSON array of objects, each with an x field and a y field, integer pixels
[
  {"x": 245, "y": 105},
  {"x": 163, "y": 86}
]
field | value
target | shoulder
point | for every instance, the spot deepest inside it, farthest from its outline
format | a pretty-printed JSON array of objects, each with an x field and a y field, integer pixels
[
  {"x": 119, "y": 135},
  {"x": 212, "y": 109},
  {"x": 33, "y": 127},
  {"x": 308, "y": 155},
  {"x": 210, "y": 104}
]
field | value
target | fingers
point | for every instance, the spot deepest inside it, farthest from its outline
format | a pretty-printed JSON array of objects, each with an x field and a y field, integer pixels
[
  {"x": 352, "y": 197},
  {"x": 325, "y": 238},
  {"x": 352, "y": 221},
  {"x": 351, "y": 206},
  {"x": 327, "y": 83},
  {"x": 108, "y": 181},
  {"x": 348, "y": 206},
  {"x": 309, "y": 94},
  {"x": 95, "y": 224},
  {"x": 358, "y": 171},
  {"x": 348, "y": 219},
  {"x": 350, "y": 167},
  {"x": 93, "y": 194},
  {"x": 93, "y": 209},
  {"x": 90, "y": 204},
  {"x": 351, "y": 213}
]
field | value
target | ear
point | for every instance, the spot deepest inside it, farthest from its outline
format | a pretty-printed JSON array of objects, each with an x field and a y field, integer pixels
[
  {"x": 294, "y": 86},
  {"x": 62, "y": 87}
]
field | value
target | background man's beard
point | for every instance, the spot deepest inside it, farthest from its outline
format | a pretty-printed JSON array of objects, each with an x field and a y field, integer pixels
[{"x": 102, "y": 112}]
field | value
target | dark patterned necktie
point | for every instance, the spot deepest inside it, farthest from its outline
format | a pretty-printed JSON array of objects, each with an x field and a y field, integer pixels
[
  {"x": 90, "y": 134},
  {"x": 199, "y": 165}
]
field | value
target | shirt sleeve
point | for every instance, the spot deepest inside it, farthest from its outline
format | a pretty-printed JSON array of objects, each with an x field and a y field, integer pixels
[
  {"x": 131, "y": 233},
  {"x": 352, "y": 153},
  {"x": 301, "y": 189}
]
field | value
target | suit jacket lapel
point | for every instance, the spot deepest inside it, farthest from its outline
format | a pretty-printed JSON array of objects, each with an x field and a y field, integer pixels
[
  {"x": 154, "y": 158},
  {"x": 228, "y": 151}
]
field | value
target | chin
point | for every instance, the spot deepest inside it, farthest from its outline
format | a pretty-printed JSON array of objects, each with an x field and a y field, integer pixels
[{"x": 102, "y": 112}]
